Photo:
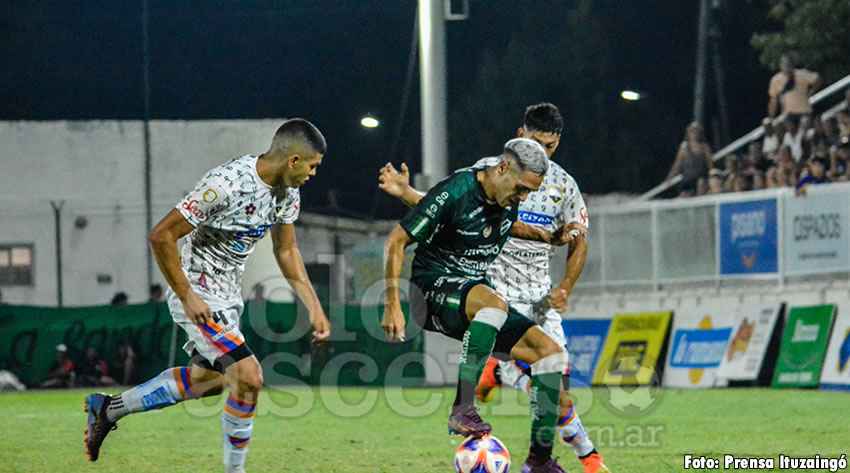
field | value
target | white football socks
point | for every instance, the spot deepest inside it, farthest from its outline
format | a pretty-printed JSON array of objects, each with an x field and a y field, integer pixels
[{"x": 165, "y": 389}]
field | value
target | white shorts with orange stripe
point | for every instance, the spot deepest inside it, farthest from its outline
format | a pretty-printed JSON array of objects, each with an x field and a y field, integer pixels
[{"x": 216, "y": 337}]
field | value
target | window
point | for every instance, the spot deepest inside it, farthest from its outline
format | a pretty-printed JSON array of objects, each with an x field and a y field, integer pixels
[{"x": 16, "y": 264}]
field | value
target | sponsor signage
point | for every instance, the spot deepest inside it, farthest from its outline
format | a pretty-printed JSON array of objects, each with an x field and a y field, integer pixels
[
  {"x": 633, "y": 348},
  {"x": 836, "y": 366},
  {"x": 816, "y": 233},
  {"x": 803, "y": 347},
  {"x": 749, "y": 340},
  {"x": 585, "y": 339},
  {"x": 748, "y": 237},
  {"x": 698, "y": 344}
]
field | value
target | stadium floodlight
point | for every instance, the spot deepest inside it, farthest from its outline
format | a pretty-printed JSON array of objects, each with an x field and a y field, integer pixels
[
  {"x": 630, "y": 95},
  {"x": 369, "y": 122}
]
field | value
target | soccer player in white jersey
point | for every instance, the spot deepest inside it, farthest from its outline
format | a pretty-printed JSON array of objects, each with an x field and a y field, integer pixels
[
  {"x": 229, "y": 210},
  {"x": 521, "y": 271}
]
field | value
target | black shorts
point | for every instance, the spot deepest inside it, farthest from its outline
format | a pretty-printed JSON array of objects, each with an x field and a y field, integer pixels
[
  {"x": 224, "y": 361},
  {"x": 437, "y": 305}
]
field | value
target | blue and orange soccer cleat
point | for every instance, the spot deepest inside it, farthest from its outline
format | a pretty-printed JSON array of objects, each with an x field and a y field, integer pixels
[
  {"x": 465, "y": 421},
  {"x": 98, "y": 425},
  {"x": 549, "y": 466},
  {"x": 488, "y": 382}
]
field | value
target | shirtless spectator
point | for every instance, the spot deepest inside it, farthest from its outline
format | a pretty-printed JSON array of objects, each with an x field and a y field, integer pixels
[{"x": 790, "y": 90}]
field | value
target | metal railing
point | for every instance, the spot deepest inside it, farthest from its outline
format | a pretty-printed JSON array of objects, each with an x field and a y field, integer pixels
[{"x": 754, "y": 135}]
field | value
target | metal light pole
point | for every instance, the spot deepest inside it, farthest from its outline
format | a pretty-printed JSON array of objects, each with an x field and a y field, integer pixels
[{"x": 432, "y": 77}]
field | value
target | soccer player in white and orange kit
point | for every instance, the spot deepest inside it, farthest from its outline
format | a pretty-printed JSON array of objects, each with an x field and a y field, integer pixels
[{"x": 230, "y": 209}]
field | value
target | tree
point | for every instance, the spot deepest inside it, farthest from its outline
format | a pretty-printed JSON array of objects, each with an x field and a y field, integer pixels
[{"x": 814, "y": 34}]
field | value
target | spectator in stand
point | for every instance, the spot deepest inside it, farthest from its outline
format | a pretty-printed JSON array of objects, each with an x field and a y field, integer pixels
[
  {"x": 790, "y": 89},
  {"x": 693, "y": 162},
  {"x": 740, "y": 183},
  {"x": 772, "y": 139},
  {"x": 93, "y": 371},
  {"x": 843, "y": 118},
  {"x": 123, "y": 364},
  {"x": 731, "y": 167},
  {"x": 815, "y": 175},
  {"x": 756, "y": 160},
  {"x": 119, "y": 299},
  {"x": 839, "y": 156},
  {"x": 784, "y": 174},
  {"x": 793, "y": 138},
  {"x": 715, "y": 182},
  {"x": 61, "y": 373},
  {"x": 758, "y": 181},
  {"x": 830, "y": 129},
  {"x": 155, "y": 294}
]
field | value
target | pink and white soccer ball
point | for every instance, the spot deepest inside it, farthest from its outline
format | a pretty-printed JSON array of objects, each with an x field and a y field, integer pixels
[{"x": 482, "y": 455}]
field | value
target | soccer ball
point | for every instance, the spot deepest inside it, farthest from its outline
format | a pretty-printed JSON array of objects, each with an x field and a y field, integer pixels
[{"x": 485, "y": 454}]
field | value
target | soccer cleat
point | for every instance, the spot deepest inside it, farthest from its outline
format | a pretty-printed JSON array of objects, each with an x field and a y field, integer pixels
[
  {"x": 465, "y": 421},
  {"x": 549, "y": 466},
  {"x": 98, "y": 425},
  {"x": 487, "y": 383},
  {"x": 593, "y": 464}
]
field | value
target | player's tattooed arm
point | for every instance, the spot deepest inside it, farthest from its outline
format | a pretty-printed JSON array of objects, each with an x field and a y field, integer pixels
[
  {"x": 393, "y": 321},
  {"x": 559, "y": 237},
  {"x": 397, "y": 184},
  {"x": 292, "y": 266},
  {"x": 163, "y": 240}
]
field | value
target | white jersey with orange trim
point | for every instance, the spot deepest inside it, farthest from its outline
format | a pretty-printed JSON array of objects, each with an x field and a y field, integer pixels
[
  {"x": 231, "y": 208},
  {"x": 521, "y": 271}
]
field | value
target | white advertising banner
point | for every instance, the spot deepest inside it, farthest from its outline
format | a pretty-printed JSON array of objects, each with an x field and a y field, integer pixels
[
  {"x": 817, "y": 232},
  {"x": 836, "y": 367},
  {"x": 748, "y": 342},
  {"x": 698, "y": 344}
]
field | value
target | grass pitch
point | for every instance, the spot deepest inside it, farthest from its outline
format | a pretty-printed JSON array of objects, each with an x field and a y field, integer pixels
[{"x": 355, "y": 430}]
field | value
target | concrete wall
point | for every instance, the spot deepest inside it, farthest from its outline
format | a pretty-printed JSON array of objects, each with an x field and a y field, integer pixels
[{"x": 97, "y": 168}]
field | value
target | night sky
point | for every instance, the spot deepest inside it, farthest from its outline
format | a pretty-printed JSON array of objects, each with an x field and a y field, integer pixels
[{"x": 335, "y": 61}]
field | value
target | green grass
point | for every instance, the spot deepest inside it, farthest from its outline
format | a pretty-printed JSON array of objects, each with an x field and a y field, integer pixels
[{"x": 375, "y": 430}]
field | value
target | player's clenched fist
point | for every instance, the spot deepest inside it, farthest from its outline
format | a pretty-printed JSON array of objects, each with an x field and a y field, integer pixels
[
  {"x": 321, "y": 327},
  {"x": 393, "y": 323}
]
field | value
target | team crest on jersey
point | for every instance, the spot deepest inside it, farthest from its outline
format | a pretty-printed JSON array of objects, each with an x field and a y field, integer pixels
[
  {"x": 486, "y": 232},
  {"x": 556, "y": 194},
  {"x": 506, "y": 225},
  {"x": 250, "y": 209},
  {"x": 210, "y": 196}
]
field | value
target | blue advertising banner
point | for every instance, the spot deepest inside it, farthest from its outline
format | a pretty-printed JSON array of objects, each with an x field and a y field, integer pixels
[
  {"x": 585, "y": 338},
  {"x": 748, "y": 237},
  {"x": 699, "y": 348}
]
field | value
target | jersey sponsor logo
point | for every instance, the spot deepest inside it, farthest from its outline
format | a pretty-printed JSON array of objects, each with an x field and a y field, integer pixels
[
  {"x": 506, "y": 225},
  {"x": 583, "y": 213},
  {"x": 487, "y": 230},
  {"x": 431, "y": 211},
  {"x": 475, "y": 212},
  {"x": 254, "y": 232},
  {"x": 467, "y": 233},
  {"x": 192, "y": 206},
  {"x": 537, "y": 219},
  {"x": 210, "y": 196},
  {"x": 556, "y": 194},
  {"x": 441, "y": 199},
  {"x": 486, "y": 250},
  {"x": 250, "y": 209}
]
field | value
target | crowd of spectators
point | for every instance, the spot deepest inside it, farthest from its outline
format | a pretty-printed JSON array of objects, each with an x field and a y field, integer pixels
[{"x": 797, "y": 149}]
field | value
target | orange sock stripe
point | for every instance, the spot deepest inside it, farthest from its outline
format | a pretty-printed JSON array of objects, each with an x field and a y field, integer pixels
[{"x": 178, "y": 378}]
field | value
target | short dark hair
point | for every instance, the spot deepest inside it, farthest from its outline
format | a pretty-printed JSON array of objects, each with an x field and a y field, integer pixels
[
  {"x": 303, "y": 131},
  {"x": 543, "y": 117}
]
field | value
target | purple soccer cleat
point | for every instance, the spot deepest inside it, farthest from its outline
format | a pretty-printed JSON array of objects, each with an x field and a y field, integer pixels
[
  {"x": 465, "y": 421},
  {"x": 549, "y": 466},
  {"x": 98, "y": 425}
]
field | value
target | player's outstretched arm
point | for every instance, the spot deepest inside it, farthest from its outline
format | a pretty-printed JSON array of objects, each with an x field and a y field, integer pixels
[
  {"x": 292, "y": 266},
  {"x": 559, "y": 237},
  {"x": 393, "y": 321},
  {"x": 397, "y": 184},
  {"x": 163, "y": 240}
]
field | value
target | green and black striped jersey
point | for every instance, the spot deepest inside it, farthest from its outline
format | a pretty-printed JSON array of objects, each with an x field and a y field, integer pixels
[{"x": 458, "y": 230}]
